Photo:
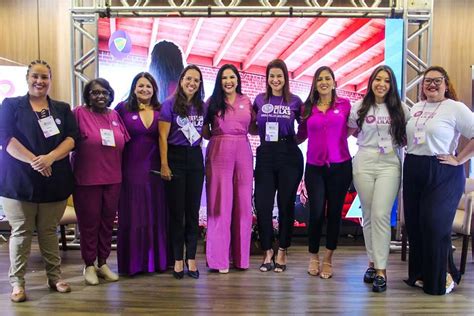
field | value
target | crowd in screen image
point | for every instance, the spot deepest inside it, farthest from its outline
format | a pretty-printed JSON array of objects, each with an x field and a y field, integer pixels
[{"x": 144, "y": 162}]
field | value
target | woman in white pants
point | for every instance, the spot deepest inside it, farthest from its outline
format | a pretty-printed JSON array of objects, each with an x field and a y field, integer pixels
[{"x": 379, "y": 122}]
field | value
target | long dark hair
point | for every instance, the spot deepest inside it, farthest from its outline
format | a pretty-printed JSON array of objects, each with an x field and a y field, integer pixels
[
  {"x": 101, "y": 82},
  {"x": 279, "y": 64},
  {"x": 132, "y": 101},
  {"x": 450, "y": 91},
  {"x": 166, "y": 65},
  {"x": 393, "y": 102},
  {"x": 313, "y": 96},
  {"x": 181, "y": 104},
  {"x": 217, "y": 103}
]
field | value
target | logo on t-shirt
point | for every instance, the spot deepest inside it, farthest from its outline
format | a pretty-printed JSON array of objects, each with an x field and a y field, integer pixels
[
  {"x": 267, "y": 108},
  {"x": 182, "y": 121},
  {"x": 369, "y": 119},
  {"x": 418, "y": 113}
]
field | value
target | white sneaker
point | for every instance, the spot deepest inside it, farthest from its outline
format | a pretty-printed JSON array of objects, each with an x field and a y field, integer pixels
[
  {"x": 90, "y": 275},
  {"x": 419, "y": 283},
  {"x": 105, "y": 273},
  {"x": 449, "y": 283}
]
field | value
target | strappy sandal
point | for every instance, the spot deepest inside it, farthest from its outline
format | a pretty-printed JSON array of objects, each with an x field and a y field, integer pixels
[
  {"x": 313, "y": 268},
  {"x": 265, "y": 267},
  {"x": 326, "y": 273},
  {"x": 280, "y": 267}
]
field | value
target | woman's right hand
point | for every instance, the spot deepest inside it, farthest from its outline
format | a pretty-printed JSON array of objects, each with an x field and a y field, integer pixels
[
  {"x": 166, "y": 172},
  {"x": 47, "y": 172}
]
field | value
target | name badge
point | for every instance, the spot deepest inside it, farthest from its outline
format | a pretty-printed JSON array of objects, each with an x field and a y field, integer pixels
[
  {"x": 385, "y": 145},
  {"x": 271, "y": 131},
  {"x": 48, "y": 126},
  {"x": 107, "y": 136},
  {"x": 420, "y": 136},
  {"x": 190, "y": 132}
]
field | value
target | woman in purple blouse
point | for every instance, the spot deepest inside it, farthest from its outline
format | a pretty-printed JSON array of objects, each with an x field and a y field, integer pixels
[
  {"x": 279, "y": 165},
  {"x": 143, "y": 216},
  {"x": 328, "y": 165}
]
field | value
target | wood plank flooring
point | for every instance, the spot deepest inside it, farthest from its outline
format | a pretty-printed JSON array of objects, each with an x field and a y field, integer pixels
[{"x": 239, "y": 292}]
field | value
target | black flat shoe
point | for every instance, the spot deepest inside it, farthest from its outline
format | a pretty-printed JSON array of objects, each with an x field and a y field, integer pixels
[
  {"x": 379, "y": 285},
  {"x": 178, "y": 275},
  {"x": 369, "y": 275}
]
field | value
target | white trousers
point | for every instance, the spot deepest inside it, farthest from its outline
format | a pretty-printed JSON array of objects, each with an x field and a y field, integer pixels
[{"x": 377, "y": 181}]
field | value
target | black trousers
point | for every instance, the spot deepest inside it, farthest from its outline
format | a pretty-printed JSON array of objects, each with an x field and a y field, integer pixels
[
  {"x": 279, "y": 168},
  {"x": 431, "y": 193},
  {"x": 184, "y": 198},
  {"x": 327, "y": 188}
]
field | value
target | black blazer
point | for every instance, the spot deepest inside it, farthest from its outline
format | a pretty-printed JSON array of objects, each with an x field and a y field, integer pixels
[{"x": 17, "y": 179}]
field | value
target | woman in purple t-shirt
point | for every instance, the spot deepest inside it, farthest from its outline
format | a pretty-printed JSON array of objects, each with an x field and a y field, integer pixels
[
  {"x": 328, "y": 165},
  {"x": 182, "y": 166},
  {"x": 279, "y": 165},
  {"x": 97, "y": 165}
]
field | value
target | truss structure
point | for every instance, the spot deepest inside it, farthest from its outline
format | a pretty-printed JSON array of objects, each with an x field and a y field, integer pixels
[{"x": 417, "y": 16}]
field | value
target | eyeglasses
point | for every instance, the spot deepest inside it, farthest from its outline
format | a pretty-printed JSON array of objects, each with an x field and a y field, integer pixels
[
  {"x": 437, "y": 81},
  {"x": 97, "y": 93}
]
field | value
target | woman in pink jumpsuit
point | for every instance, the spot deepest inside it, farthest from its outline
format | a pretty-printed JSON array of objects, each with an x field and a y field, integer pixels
[{"x": 229, "y": 173}]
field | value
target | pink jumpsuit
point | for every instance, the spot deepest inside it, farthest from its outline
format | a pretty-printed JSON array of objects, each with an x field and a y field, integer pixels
[{"x": 229, "y": 177}]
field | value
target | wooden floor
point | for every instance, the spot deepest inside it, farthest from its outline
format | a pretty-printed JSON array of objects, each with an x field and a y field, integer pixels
[{"x": 239, "y": 292}]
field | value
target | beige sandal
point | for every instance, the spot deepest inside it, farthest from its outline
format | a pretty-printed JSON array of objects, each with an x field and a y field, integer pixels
[
  {"x": 313, "y": 268},
  {"x": 326, "y": 271}
]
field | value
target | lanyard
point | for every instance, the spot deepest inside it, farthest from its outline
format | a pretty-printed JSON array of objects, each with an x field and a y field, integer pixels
[
  {"x": 106, "y": 115},
  {"x": 429, "y": 117}
]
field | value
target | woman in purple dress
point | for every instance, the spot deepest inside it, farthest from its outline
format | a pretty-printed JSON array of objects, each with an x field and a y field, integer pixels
[{"x": 142, "y": 232}]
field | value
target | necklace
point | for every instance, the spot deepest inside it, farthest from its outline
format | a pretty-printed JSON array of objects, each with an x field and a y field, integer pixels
[{"x": 142, "y": 106}]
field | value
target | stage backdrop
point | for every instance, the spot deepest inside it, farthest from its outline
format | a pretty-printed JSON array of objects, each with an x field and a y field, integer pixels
[{"x": 352, "y": 47}]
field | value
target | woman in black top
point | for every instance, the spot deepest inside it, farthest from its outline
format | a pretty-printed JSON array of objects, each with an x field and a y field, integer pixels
[{"x": 36, "y": 136}]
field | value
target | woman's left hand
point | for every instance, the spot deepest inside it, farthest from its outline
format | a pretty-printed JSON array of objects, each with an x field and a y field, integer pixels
[
  {"x": 42, "y": 162},
  {"x": 448, "y": 160}
]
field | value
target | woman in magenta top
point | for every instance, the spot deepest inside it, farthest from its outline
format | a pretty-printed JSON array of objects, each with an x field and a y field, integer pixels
[
  {"x": 97, "y": 166},
  {"x": 229, "y": 172},
  {"x": 328, "y": 165}
]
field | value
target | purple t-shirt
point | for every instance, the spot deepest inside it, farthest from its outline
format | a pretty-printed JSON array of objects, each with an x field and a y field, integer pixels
[
  {"x": 92, "y": 162},
  {"x": 327, "y": 134},
  {"x": 176, "y": 136},
  {"x": 277, "y": 110}
]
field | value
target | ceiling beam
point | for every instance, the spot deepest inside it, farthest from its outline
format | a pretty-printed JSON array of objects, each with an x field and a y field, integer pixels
[
  {"x": 270, "y": 34},
  {"x": 362, "y": 71},
  {"x": 228, "y": 40},
  {"x": 154, "y": 33},
  {"x": 364, "y": 47},
  {"x": 196, "y": 28},
  {"x": 303, "y": 39},
  {"x": 356, "y": 25}
]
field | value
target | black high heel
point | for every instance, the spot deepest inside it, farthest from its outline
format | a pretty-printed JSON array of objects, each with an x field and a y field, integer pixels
[
  {"x": 190, "y": 273},
  {"x": 265, "y": 267},
  {"x": 280, "y": 267},
  {"x": 178, "y": 275}
]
